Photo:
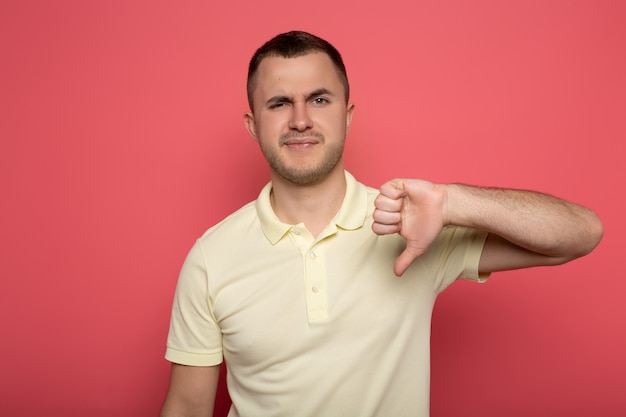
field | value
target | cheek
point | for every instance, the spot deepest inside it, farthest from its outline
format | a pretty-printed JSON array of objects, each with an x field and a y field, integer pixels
[
  {"x": 336, "y": 124},
  {"x": 270, "y": 125}
]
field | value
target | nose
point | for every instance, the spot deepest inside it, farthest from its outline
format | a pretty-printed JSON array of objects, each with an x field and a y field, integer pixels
[{"x": 300, "y": 118}]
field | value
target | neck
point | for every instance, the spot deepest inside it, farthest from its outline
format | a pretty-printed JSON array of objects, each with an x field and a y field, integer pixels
[{"x": 314, "y": 205}]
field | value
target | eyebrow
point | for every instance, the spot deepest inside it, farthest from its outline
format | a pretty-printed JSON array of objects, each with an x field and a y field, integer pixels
[
  {"x": 320, "y": 92},
  {"x": 288, "y": 99}
]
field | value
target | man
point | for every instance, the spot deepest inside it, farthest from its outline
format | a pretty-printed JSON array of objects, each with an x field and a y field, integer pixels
[{"x": 298, "y": 292}]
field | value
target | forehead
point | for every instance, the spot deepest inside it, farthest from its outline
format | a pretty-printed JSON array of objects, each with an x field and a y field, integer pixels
[{"x": 291, "y": 75}]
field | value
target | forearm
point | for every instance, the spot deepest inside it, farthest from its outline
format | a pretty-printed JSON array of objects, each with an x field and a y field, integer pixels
[
  {"x": 191, "y": 392},
  {"x": 538, "y": 222}
]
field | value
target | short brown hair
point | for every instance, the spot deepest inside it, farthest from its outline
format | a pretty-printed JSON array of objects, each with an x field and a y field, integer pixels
[{"x": 292, "y": 45}]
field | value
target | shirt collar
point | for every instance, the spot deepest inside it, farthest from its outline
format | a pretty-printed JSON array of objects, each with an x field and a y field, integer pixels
[{"x": 351, "y": 214}]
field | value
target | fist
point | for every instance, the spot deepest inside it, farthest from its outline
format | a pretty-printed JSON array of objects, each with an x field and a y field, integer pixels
[{"x": 414, "y": 209}]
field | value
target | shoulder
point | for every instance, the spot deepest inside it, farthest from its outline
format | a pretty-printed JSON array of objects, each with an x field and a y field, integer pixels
[{"x": 239, "y": 220}]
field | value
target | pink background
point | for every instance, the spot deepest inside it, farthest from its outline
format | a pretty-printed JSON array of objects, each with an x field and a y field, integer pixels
[{"x": 122, "y": 141}]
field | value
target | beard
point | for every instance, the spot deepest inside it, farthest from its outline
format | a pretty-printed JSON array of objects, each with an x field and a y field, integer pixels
[{"x": 304, "y": 175}]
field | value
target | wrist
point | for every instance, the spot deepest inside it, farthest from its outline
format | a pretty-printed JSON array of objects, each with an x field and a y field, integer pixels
[
  {"x": 452, "y": 198},
  {"x": 443, "y": 191}
]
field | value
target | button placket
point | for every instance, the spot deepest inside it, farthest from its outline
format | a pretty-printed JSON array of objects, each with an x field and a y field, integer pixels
[{"x": 315, "y": 271}]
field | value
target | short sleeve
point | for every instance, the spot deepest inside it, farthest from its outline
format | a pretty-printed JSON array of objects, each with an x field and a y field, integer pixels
[
  {"x": 455, "y": 255},
  {"x": 194, "y": 338},
  {"x": 473, "y": 253}
]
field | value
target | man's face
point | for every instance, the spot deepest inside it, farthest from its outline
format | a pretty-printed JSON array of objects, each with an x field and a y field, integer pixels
[{"x": 300, "y": 116}]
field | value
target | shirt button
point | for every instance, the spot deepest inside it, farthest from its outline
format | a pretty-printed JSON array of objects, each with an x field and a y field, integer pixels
[
  {"x": 315, "y": 289},
  {"x": 312, "y": 255},
  {"x": 296, "y": 232}
]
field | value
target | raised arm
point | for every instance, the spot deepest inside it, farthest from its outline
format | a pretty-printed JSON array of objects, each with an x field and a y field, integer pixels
[
  {"x": 526, "y": 228},
  {"x": 191, "y": 392}
]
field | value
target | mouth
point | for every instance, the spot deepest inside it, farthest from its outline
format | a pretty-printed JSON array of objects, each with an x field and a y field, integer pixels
[{"x": 301, "y": 142}]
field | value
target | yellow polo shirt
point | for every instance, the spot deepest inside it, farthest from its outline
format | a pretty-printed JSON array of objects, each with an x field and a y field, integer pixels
[{"x": 316, "y": 327}]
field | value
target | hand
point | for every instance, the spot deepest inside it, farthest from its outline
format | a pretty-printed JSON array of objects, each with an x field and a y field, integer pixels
[{"x": 413, "y": 208}]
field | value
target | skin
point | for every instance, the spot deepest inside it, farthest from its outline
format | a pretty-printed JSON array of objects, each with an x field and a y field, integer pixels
[
  {"x": 300, "y": 121},
  {"x": 191, "y": 391},
  {"x": 526, "y": 228}
]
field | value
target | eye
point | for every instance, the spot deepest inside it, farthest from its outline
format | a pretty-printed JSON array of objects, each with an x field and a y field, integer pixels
[
  {"x": 320, "y": 100},
  {"x": 277, "y": 105}
]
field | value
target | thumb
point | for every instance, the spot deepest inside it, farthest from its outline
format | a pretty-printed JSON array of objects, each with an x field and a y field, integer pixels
[{"x": 405, "y": 259}]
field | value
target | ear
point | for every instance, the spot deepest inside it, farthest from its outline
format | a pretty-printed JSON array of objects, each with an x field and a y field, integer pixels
[
  {"x": 349, "y": 112},
  {"x": 249, "y": 123}
]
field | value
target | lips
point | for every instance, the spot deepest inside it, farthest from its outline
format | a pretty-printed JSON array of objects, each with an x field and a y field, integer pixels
[{"x": 297, "y": 140}]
